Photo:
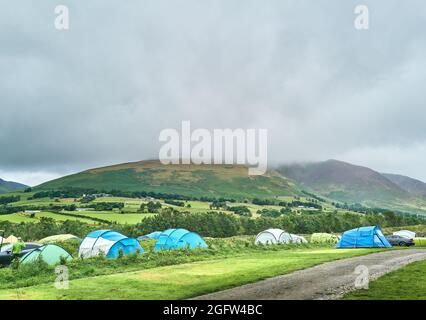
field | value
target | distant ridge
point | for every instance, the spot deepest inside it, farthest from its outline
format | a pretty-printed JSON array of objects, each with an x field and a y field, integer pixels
[
  {"x": 9, "y": 186},
  {"x": 415, "y": 187},
  {"x": 189, "y": 180},
  {"x": 346, "y": 182}
]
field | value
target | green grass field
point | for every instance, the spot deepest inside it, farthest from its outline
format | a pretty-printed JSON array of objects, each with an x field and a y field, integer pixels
[
  {"x": 186, "y": 280},
  {"x": 22, "y": 217},
  {"x": 408, "y": 283},
  {"x": 123, "y": 218}
]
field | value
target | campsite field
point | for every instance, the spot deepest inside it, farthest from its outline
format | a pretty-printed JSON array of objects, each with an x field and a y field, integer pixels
[
  {"x": 189, "y": 279},
  {"x": 408, "y": 283}
]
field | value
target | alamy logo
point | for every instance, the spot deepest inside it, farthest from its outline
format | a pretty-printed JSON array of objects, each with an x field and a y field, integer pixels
[
  {"x": 62, "y": 20},
  {"x": 363, "y": 277},
  {"x": 362, "y": 20},
  {"x": 219, "y": 146},
  {"x": 61, "y": 281}
]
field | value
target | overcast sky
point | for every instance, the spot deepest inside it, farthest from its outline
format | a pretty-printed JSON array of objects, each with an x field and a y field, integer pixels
[{"x": 101, "y": 92}]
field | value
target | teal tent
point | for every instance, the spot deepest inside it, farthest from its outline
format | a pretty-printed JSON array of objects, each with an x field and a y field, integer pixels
[
  {"x": 179, "y": 239},
  {"x": 364, "y": 237},
  {"x": 49, "y": 253}
]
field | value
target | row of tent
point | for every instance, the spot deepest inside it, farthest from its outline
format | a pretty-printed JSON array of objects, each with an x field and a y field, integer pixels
[
  {"x": 363, "y": 237},
  {"x": 111, "y": 244},
  {"x": 279, "y": 236}
]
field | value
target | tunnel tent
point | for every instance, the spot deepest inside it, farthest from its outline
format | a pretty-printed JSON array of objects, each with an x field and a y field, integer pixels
[
  {"x": 364, "y": 237},
  {"x": 49, "y": 253},
  {"x": 405, "y": 233},
  {"x": 324, "y": 238},
  {"x": 108, "y": 243},
  {"x": 273, "y": 236},
  {"x": 297, "y": 239},
  {"x": 153, "y": 235},
  {"x": 59, "y": 238},
  {"x": 419, "y": 241},
  {"x": 172, "y": 239}
]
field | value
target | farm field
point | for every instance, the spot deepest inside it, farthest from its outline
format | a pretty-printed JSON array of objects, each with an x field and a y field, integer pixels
[
  {"x": 189, "y": 279},
  {"x": 123, "y": 218},
  {"x": 129, "y": 214},
  {"x": 408, "y": 283}
]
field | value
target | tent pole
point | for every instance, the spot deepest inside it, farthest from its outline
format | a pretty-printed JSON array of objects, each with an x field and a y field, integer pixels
[{"x": 2, "y": 237}]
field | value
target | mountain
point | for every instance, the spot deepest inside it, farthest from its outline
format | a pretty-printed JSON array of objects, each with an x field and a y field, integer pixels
[
  {"x": 346, "y": 182},
  {"x": 8, "y": 186},
  {"x": 189, "y": 180},
  {"x": 415, "y": 187}
]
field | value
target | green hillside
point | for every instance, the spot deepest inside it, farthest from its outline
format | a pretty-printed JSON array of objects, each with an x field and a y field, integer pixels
[
  {"x": 9, "y": 186},
  {"x": 189, "y": 180}
]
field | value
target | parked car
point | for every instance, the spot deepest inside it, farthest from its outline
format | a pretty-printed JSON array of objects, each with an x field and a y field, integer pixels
[
  {"x": 6, "y": 255},
  {"x": 400, "y": 241}
]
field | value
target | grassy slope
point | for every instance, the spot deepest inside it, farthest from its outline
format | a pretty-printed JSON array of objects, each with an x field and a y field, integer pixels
[
  {"x": 190, "y": 180},
  {"x": 408, "y": 283},
  {"x": 186, "y": 280}
]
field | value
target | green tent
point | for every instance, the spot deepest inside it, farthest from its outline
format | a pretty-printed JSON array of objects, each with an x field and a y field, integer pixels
[
  {"x": 49, "y": 253},
  {"x": 59, "y": 238},
  {"x": 420, "y": 241},
  {"x": 324, "y": 238}
]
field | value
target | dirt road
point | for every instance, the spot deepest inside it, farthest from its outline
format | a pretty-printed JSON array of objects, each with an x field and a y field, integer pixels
[{"x": 326, "y": 281}]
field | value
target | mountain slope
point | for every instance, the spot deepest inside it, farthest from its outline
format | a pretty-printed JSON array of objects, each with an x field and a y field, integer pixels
[
  {"x": 190, "y": 180},
  {"x": 415, "y": 187},
  {"x": 8, "y": 186},
  {"x": 346, "y": 182}
]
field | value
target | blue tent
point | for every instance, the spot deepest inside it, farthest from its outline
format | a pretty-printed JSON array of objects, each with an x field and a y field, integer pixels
[
  {"x": 108, "y": 243},
  {"x": 153, "y": 235},
  {"x": 364, "y": 237},
  {"x": 179, "y": 239}
]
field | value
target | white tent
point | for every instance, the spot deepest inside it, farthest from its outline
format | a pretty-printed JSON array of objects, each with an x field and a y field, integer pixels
[
  {"x": 298, "y": 239},
  {"x": 108, "y": 243},
  {"x": 405, "y": 233},
  {"x": 11, "y": 239},
  {"x": 273, "y": 236}
]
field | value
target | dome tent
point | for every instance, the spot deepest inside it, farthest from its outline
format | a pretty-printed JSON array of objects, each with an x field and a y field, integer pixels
[
  {"x": 179, "y": 239},
  {"x": 108, "y": 243},
  {"x": 153, "y": 235},
  {"x": 49, "y": 253},
  {"x": 364, "y": 237},
  {"x": 273, "y": 236},
  {"x": 324, "y": 238},
  {"x": 405, "y": 233}
]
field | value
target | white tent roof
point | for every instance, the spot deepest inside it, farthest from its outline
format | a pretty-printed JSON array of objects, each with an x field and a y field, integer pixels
[
  {"x": 10, "y": 239},
  {"x": 405, "y": 233},
  {"x": 271, "y": 236}
]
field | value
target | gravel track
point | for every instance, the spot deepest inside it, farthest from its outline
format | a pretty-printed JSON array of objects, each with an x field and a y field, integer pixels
[{"x": 326, "y": 281}]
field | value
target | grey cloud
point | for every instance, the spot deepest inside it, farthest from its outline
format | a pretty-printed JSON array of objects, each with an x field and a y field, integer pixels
[{"x": 101, "y": 92}]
